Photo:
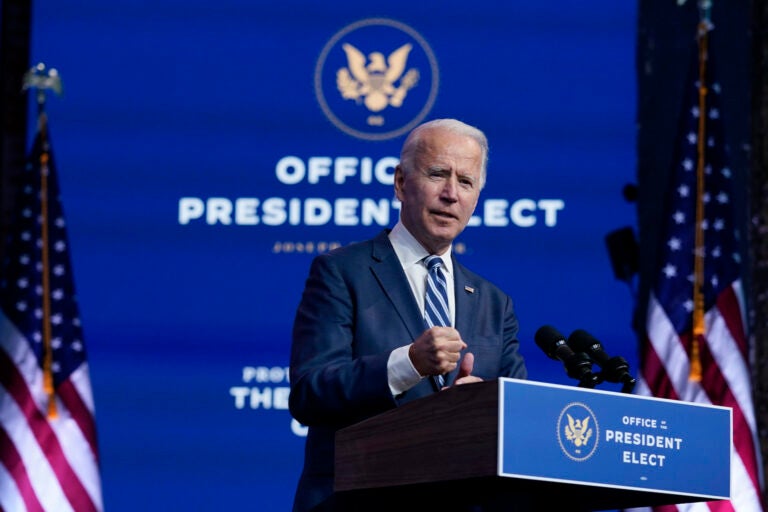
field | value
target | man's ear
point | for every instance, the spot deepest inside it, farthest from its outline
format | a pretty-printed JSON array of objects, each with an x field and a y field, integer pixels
[{"x": 399, "y": 181}]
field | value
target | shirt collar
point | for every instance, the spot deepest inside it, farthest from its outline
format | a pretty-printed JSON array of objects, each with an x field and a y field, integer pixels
[{"x": 410, "y": 252}]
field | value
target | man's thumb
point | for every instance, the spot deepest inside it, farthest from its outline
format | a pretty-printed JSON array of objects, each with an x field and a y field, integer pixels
[{"x": 466, "y": 365}]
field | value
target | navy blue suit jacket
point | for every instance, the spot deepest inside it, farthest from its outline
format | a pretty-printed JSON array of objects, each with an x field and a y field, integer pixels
[{"x": 356, "y": 308}]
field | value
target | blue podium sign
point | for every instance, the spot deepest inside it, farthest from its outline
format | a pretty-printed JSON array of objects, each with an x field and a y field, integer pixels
[{"x": 582, "y": 436}]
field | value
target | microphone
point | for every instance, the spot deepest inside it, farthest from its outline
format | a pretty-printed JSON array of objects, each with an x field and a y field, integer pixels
[
  {"x": 578, "y": 366},
  {"x": 614, "y": 369}
]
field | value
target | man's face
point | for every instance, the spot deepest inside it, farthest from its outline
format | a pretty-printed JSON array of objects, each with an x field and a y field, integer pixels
[{"x": 440, "y": 193}]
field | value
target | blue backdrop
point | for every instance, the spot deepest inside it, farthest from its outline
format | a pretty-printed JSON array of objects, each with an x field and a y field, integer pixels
[{"x": 209, "y": 150}]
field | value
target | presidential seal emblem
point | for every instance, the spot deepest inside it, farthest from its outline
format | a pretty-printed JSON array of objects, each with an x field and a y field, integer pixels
[
  {"x": 376, "y": 79},
  {"x": 578, "y": 431}
]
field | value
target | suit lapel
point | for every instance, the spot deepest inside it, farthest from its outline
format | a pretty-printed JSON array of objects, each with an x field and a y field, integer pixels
[
  {"x": 466, "y": 308},
  {"x": 391, "y": 277}
]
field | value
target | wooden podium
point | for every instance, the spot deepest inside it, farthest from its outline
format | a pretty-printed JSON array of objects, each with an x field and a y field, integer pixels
[{"x": 510, "y": 443}]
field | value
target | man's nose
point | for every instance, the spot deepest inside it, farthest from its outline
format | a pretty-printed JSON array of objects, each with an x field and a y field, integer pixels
[{"x": 450, "y": 190}]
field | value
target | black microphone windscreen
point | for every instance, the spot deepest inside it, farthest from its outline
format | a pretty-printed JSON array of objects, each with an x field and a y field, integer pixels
[
  {"x": 547, "y": 338},
  {"x": 581, "y": 341}
]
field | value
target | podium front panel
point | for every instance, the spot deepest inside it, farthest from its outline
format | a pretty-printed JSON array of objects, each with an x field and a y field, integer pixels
[{"x": 597, "y": 438}]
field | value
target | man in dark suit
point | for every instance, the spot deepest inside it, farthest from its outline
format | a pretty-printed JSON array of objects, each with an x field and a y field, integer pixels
[{"x": 361, "y": 345}]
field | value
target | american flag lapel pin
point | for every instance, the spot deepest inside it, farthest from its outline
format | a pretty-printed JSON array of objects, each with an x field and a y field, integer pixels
[{"x": 469, "y": 289}]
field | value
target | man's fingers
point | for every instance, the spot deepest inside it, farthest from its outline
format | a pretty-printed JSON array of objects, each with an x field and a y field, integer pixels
[
  {"x": 469, "y": 379},
  {"x": 446, "y": 337},
  {"x": 437, "y": 351}
]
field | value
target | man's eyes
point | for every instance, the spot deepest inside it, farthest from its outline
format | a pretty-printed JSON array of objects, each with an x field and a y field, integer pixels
[{"x": 437, "y": 174}]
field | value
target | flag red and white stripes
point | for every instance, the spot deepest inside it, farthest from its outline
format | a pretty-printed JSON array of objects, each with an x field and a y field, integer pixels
[{"x": 48, "y": 451}]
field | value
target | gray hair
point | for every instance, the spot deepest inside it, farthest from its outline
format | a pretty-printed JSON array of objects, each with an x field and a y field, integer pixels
[{"x": 414, "y": 140}]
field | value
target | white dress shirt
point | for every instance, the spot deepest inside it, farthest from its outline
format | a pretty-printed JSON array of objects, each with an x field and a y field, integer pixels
[{"x": 401, "y": 373}]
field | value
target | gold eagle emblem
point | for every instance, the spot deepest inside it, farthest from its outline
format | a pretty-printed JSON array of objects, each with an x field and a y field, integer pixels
[
  {"x": 578, "y": 431},
  {"x": 373, "y": 80}
]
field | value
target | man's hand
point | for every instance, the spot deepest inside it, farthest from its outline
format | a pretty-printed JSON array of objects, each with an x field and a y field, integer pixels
[{"x": 436, "y": 351}]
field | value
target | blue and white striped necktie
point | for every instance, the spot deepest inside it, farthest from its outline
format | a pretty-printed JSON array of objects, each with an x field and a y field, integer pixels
[{"x": 436, "y": 310}]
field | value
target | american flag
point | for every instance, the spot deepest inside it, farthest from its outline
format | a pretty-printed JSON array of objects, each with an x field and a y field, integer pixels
[
  {"x": 723, "y": 351},
  {"x": 48, "y": 453}
]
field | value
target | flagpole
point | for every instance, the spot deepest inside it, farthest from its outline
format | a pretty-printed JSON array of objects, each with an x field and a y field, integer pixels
[
  {"x": 699, "y": 328},
  {"x": 43, "y": 80}
]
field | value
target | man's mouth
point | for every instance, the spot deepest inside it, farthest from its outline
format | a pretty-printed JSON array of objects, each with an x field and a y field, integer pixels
[{"x": 445, "y": 215}]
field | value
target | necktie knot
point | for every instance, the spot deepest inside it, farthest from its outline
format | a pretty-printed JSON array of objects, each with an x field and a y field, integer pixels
[{"x": 433, "y": 262}]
